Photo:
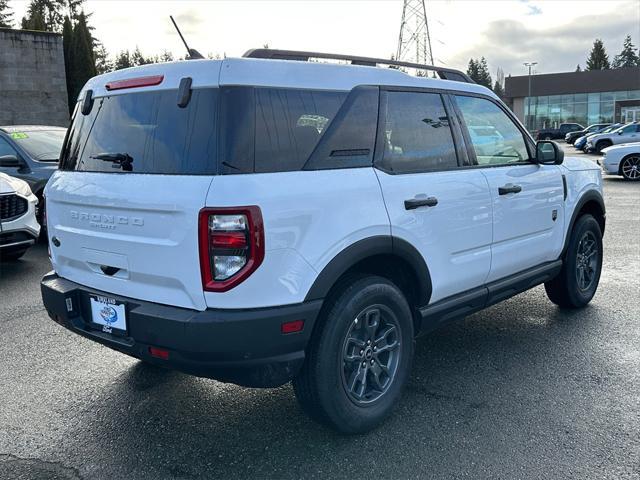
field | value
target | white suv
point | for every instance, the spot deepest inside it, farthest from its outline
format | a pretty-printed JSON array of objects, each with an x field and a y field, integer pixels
[{"x": 264, "y": 219}]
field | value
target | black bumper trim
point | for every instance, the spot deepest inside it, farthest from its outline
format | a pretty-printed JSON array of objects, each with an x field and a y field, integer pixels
[{"x": 245, "y": 347}]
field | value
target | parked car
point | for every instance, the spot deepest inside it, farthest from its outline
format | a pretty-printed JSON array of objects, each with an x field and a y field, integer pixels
[
  {"x": 595, "y": 128},
  {"x": 622, "y": 160},
  {"x": 560, "y": 132},
  {"x": 258, "y": 220},
  {"x": 628, "y": 133},
  {"x": 18, "y": 226},
  {"x": 582, "y": 141},
  {"x": 31, "y": 153}
]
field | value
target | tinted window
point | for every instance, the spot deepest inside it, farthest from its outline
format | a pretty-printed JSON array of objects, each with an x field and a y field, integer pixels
[
  {"x": 289, "y": 124},
  {"x": 44, "y": 145},
  {"x": 349, "y": 140},
  {"x": 159, "y": 136},
  {"x": 495, "y": 138},
  {"x": 417, "y": 135},
  {"x": 5, "y": 148}
]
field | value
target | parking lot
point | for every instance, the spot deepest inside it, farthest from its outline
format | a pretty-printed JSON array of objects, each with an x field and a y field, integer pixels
[{"x": 521, "y": 390}]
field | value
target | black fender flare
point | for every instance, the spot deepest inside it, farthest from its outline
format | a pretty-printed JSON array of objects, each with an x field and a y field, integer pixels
[
  {"x": 590, "y": 196},
  {"x": 369, "y": 247}
]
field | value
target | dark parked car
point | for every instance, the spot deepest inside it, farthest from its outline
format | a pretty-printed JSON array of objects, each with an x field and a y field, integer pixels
[
  {"x": 555, "y": 133},
  {"x": 595, "y": 128},
  {"x": 31, "y": 153}
]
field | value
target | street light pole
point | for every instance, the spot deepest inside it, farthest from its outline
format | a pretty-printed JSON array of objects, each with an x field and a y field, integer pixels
[{"x": 528, "y": 122}]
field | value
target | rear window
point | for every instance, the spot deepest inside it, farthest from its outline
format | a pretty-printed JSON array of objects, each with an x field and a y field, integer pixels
[{"x": 149, "y": 128}]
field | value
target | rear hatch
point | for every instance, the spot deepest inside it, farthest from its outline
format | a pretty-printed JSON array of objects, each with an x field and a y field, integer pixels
[{"x": 134, "y": 173}]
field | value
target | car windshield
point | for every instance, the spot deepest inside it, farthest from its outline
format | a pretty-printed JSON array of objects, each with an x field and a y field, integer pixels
[{"x": 43, "y": 145}]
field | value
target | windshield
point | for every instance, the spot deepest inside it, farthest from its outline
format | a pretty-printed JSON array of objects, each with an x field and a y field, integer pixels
[
  {"x": 145, "y": 133},
  {"x": 43, "y": 145}
]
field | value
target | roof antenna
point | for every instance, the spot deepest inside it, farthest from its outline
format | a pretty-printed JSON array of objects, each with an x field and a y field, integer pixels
[{"x": 193, "y": 53}]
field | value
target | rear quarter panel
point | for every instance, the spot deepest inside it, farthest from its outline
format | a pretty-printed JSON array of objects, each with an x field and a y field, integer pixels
[{"x": 309, "y": 217}]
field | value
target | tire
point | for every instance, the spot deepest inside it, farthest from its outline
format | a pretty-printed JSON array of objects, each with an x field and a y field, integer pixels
[
  {"x": 573, "y": 288},
  {"x": 329, "y": 388},
  {"x": 630, "y": 167},
  {"x": 11, "y": 256},
  {"x": 547, "y": 137},
  {"x": 602, "y": 144}
]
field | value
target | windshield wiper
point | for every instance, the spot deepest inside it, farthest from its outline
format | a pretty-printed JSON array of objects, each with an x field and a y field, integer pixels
[{"x": 119, "y": 160}]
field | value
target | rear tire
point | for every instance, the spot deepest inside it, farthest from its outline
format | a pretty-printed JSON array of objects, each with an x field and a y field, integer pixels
[
  {"x": 360, "y": 356},
  {"x": 578, "y": 280},
  {"x": 547, "y": 137}
]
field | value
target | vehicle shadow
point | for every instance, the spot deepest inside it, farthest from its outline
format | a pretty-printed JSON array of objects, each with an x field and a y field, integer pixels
[{"x": 479, "y": 388}]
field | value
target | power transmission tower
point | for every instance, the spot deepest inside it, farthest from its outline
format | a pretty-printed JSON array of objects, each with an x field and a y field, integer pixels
[{"x": 414, "y": 43}]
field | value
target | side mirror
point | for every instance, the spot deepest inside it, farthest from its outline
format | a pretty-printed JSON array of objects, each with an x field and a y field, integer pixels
[
  {"x": 10, "y": 161},
  {"x": 620, "y": 132},
  {"x": 549, "y": 153}
]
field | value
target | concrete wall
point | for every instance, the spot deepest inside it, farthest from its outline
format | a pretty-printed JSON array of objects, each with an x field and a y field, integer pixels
[{"x": 33, "y": 87}]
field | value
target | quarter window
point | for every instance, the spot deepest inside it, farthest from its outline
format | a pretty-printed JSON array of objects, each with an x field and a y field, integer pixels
[
  {"x": 417, "y": 135},
  {"x": 496, "y": 140}
]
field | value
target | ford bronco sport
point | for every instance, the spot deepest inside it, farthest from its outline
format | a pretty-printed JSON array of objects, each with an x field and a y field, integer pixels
[{"x": 264, "y": 219}]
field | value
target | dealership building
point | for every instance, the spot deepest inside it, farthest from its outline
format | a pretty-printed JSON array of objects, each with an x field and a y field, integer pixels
[{"x": 597, "y": 96}]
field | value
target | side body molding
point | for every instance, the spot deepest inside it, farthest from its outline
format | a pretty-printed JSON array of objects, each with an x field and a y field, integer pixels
[{"x": 367, "y": 248}]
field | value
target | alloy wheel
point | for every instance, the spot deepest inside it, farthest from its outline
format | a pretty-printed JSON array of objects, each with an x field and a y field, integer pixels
[
  {"x": 587, "y": 261},
  {"x": 631, "y": 168},
  {"x": 370, "y": 354}
]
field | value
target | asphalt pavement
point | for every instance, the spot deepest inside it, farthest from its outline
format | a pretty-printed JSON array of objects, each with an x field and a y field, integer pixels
[{"x": 521, "y": 390}]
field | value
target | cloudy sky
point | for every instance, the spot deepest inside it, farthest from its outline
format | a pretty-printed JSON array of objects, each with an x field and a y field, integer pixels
[{"x": 557, "y": 34}]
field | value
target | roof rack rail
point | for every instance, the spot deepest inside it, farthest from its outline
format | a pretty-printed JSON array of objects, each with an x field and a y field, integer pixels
[{"x": 273, "y": 54}]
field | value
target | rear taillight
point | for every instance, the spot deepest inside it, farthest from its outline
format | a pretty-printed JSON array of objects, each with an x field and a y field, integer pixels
[{"x": 231, "y": 245}]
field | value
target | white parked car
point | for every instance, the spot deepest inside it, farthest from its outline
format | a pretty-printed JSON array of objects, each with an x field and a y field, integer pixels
[
  {"x": 19, "y": 228},
  {"x": 259, "y": 220},
  {"x": 626, "y": 134},
  {"x": 622, "y": 160}
]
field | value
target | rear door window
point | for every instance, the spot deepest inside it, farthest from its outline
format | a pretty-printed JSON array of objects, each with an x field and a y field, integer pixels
[
  {"x": 289, "y": 124},
  {"x": 417, "y": 133},
  {"x": 151, "y": 129}
]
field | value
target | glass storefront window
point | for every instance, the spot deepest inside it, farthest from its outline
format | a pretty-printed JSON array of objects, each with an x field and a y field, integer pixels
[
  {"x": 606, "y": 112},
  {"x": 567, "y": 98},
  {"x": 634, "y": 94},
  {"x": 606, "y": 96},
  {"x": 580, "y": 97},
  {"x": 621, "y": 96},
  {"x": 594, "y": 97}
]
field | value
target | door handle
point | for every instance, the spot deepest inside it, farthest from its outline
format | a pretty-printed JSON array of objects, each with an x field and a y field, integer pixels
[
  {"x": 414, "y": 203},
  {"x": 509, "y": 188}
]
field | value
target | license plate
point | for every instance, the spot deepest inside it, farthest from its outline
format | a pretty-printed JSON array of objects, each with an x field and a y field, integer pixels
[{"x": 108, "y": 313}]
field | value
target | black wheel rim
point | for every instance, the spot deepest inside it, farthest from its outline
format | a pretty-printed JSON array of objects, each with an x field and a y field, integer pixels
[
  {"x": 631, "y": 168},
  {"x": 370, "y": 354},
  {"x": 587, "y": 259}
]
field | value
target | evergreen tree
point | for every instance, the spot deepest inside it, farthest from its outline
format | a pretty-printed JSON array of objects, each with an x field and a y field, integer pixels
[
  {"x": 498, "y": 90},
  {"x": 75, "y": 8},
  {"x": 472, "y": 70},
  {"x": 123, "y": 60},
  {"x": 628, "y": 56},
  {"x": 6, "y": 15},
  {"x": 166, "y": 56},
  {"x": 103, "y": 63},
  {"x": 44, "y": 15},
  {"x": 67, "y": 39},
  {"x": 138, "y": 59},
  {"x": 598, "y": 58},
  {"x": 578, "y": 69},
  {"x": 483, "y": 72},
  {"x": 83, "y": 65}
]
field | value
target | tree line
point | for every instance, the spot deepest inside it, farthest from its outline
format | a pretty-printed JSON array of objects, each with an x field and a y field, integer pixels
[{"x": 86, "y": 57}]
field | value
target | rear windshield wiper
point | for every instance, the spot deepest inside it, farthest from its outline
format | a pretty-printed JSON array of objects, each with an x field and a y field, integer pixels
[{"x": 119, "y": 160}]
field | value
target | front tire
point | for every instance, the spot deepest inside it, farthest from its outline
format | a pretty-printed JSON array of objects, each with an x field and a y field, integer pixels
[
  {"x": 602, "y": 144},
  {"x": 630, "y": 168},
  {"x": 360, "y": 356},
  {"x": 578, "y": 280}
]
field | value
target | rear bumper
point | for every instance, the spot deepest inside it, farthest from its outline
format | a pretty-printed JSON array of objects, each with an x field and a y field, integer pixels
[{"x": 245, "y": 347}]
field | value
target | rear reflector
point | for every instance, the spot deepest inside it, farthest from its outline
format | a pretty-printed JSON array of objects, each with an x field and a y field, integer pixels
[
  {"x": 160, "y": 353},
  {"x": 135, "y": 82},
  {"x": 292, "y": 327}
]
